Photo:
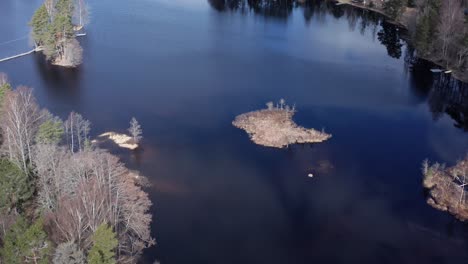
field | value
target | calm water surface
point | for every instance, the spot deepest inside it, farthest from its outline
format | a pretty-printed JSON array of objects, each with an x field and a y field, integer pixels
[{"x": 186, "y": 68}]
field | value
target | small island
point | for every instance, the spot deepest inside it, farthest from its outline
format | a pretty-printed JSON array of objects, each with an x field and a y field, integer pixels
[
  {"x": 123, "y": 140},
  {"x": 447, "y": 187},
  {"x": 274, "y": 127},
  {"x": 54, "y": 28}
]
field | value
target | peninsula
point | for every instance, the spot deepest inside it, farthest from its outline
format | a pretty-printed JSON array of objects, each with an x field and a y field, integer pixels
[{"x": 447, "y": 187}]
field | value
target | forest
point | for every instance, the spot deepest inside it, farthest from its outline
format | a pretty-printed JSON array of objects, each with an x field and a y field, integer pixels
[
  {"x": 63, "y": 200},
  {"x": 438, "y": 30}
]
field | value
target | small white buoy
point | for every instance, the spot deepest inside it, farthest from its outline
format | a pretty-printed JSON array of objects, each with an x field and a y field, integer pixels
[{"x": 310, "y": 175}]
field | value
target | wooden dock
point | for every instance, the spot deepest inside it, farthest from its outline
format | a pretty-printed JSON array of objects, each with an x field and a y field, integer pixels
[{"x": 20, "y": 55}]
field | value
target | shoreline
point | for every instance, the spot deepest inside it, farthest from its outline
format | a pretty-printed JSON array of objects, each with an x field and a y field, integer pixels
[
  {"x": 456, "y": 74},
  {"x": 376, "y": 10}
]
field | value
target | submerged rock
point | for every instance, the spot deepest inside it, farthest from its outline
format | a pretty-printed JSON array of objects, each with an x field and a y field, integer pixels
[
  {"x": 447, "y": 187},
  {"x": 275, "y": 128}
]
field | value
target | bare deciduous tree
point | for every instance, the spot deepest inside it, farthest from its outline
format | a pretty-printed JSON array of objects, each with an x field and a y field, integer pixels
[
  {"x": 106, "y": 192},
  {"x": 3, "y": 78},
  {"x": 72, "y": 53},
  {"x": 50, "y": 7},
  {"x": 451, "y": 22},
  {"x": 270, "y": 105},
  {"x": 77, "y": 130},
  {"x": 68, "y": 253},
  {"x": 135, "y": 130},
  {"x": 20, "y": 120},
  {"x": 282, "y": 102},
  {"x": 81, "y": 13},
  {"x": 48, "y": 162}
]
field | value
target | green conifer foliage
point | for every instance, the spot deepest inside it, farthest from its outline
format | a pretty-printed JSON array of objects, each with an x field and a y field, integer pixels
[
  {"x": 26, "y": 244},
  {"x": 104, "y": 244},
  {"x": 15, "y": 186}
]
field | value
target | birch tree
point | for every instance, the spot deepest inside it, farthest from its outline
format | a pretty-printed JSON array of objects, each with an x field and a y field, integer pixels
[
  {"x": 80, "y": 13},
  {"x": 451, "y": 23},
  {"x": 20, "y": 120},
  {"x": 77, "y": 131},
  {"x": 106, "y": 192}
]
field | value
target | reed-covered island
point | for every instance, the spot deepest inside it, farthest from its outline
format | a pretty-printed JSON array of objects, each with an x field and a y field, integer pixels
[{"x": 274, "y": 127}]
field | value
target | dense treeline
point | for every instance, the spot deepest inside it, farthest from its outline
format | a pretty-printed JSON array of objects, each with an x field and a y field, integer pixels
[
  {"x": 438, "y": 28},
  {"x": 439, "y": 31},
  {"x": 445, "y": 39},
  {"x": 53, "y": 30},
  {"x": 61, "y": 199}
]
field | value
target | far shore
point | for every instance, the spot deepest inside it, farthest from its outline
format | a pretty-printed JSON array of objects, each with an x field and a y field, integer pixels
[
  {"x": 404, "y": 22},
  {"x": 373, "y": 9}
]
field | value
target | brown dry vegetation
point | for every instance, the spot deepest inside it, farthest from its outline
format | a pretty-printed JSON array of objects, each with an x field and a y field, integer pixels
[
  {"x": 447, "y": 187},
  {"x": 275, "y": 128}
]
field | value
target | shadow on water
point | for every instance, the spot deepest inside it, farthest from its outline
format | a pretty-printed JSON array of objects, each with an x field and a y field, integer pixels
[
  {"x": 449, "y": 96},
  {"x": 63, "y": 83}
]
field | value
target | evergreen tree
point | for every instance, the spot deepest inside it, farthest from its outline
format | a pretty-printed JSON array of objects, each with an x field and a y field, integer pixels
[
  {"x": 40, "y": 26},
  {"x": 104, "y": 244},
  {"x": 24, "y": 244},
  {"x": 15, "y": 186},
  {"x": 4, "y": 88},
  {"x": 394, "y": 8},
  {"x": 426, "y": 26},
  {"x": 422, "y": 37},
  {"x": 50, "y": 132}
]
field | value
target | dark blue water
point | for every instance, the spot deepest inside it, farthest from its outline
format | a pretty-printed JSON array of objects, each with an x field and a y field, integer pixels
[{"x": 186, "y": 68}]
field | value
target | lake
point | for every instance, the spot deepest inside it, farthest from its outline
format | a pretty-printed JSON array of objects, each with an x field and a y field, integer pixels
[{"x": 186, "y": 68}]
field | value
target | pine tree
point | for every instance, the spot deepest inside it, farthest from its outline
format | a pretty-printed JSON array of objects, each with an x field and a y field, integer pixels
[
  {"x": 40, "y": 26},
  {"x": 24, "y": 244},
  {"x": 11, "y": 251},
  {"x": 4, "y": 88},
  {"x": 50, "y": 132},
  {"x": 15, "y": 186},
  {"x": 104, "y": 244},
  {"x": 422, "y": 38},
  {"x": 394, "y": 8},
  {"x": 426, "y": 26}
]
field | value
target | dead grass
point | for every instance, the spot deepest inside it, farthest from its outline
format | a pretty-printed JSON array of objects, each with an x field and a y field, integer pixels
[
  {"x": 121, "y": 140},
  {"x": 447, "y": 188},
  {"x": 275, "y": 128}
]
